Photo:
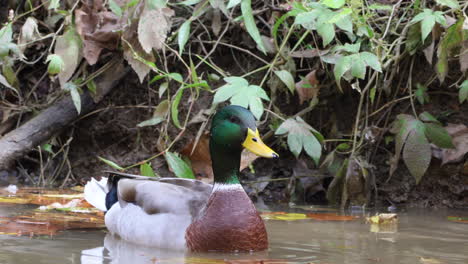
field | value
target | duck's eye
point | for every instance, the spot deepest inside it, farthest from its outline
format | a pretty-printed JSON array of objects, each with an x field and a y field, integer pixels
[
  {"x": 234, "y": 119},
  {"x": 254, "y": 139}
]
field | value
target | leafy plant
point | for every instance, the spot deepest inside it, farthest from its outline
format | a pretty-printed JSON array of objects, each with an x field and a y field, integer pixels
[
  {"x": 414, "y": 137},
  {"x": 239, "y": 92},
  {"x": 302, "y": 136},
  {"x": 180, "y": 168}
]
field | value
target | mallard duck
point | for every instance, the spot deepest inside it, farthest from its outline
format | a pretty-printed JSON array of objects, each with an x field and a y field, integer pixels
[{"x": 189, "y": 214}]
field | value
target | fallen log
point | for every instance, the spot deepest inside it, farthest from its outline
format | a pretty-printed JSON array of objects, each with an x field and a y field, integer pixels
[{"x": 52, "y": 120}]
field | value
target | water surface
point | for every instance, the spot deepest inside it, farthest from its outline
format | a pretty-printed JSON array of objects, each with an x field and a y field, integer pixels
[{"x": 422, "y": 236}]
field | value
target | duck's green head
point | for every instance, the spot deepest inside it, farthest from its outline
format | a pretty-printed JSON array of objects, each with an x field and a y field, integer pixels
[{"x": 233, "y": 128}]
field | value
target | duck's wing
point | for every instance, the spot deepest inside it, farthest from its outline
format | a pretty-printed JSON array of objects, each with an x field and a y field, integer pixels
[{"x": 167, "y": 195}]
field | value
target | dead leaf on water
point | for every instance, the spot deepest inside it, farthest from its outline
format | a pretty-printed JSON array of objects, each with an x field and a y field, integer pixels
[
  {"x": 430, "y": 261},
  {"x": 383, "y": 219},
  {"x": 458, "y": 219},
  {"x": 332, "y": 217}
]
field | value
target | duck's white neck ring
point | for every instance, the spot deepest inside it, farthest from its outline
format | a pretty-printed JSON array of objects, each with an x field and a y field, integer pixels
[{"x": 227, "y": 187}]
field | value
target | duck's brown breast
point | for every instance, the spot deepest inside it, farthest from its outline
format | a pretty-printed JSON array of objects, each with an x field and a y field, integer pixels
[{"x": 229, "y": 223}]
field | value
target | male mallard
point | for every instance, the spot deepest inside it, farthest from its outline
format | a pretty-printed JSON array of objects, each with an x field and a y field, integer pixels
[{"x": 180, "y": 213}]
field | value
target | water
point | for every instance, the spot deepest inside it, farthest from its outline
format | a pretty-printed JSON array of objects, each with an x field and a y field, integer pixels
[{"x": 422, "y": 236}]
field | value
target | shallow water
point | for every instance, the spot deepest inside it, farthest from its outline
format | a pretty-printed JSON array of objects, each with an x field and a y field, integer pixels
[{"x": 422, "y": 236}]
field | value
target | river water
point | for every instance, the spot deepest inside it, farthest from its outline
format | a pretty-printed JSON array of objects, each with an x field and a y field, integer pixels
[{"x": 421, "y": 236}]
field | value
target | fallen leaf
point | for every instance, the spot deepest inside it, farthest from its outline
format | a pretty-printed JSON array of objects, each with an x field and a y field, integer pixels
[
  {"x": 309, "y": 86},
  {"x": 383, "y": 219},
  {"x": 98, "y": 29},
  {"x": 459, "y": 134},
  {"x": 332, "y": 217},
  {"x": 464, "y": 56},
  {"x": 458, "y": 219},
  {"x": 430, "y": 261},
  {"x": 29, "y": 32},
  {"x": 308, "y": 53},
  {"x": 68, "y": 48},
  {"x": 283, "y": 216},
  {"x": 153, "y": 27},
  {"x": 132, "y": 46}
]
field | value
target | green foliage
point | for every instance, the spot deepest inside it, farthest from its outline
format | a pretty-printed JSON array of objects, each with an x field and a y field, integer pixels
[
  {"x": 247, "y": 13},
  {"x": 55, "y": 64},
  {"x": 180, "y": 168},
  {"x": 183, "y": 36},
  {"x": 302, "y": 136},
  {"x": 147, "y": 170},
  {"x": 75, "y": 95},
  {"x": 452, "y": 39},
  {"x": 159, "y": 115},
  {"x": 111, "y": 163},
  {"x": 463, "y": 92},
  {"x": 427, "y": 18},
  {"x": 413, "y": 137},
  {"x": 421, "y": 93},
  {"x": 239, "y": 92},
  {"x": 287, "y": 78}
]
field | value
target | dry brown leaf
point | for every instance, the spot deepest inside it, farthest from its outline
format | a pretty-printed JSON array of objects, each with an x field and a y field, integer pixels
[
  {"x": 68, "y": 47},
  {"x": 309, "y": 53},
  {"x": 216, "y": 22},
  {"x": 459, "y": 134},
  {"x": 153, "y": 27},
  {"x": 98, "y": 30},
  {"x": 29, "y": 32},
  {"x": 464, "y": 56},
  {"x": 139, "y": 67},
  {"x": 309, "y": 87}
]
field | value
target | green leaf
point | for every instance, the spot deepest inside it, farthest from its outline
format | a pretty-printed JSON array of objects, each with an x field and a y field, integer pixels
[
  {"x": 345, "y": 24},
  {"x": 450, "y": 3},
  {"x": 189, "y": 2},
  {"x": 421, "y": 94},
  {"x": 342, "y": 65},
  {"x": 111, "y": 163},
  {"x": 233, "y": 3},
  {"x": 333, "y": 3},
  {"x": 115, "y": 8},
  {"x": 180, "y": 168},
  {"x": 301, "y": 135},
  {"x": 146, "y": 170},
  {"x": 54, "y": 4},
  {"x": 75, "y": 95},
  {"x": 380, "y": 7},
  {"x": 343, "y": 147},
  {"x": 55, "y": 64},
  {"x": 426, "y": 26},
  {"x": 287, "y": 78},
  {"x": 239, "y": 92},
  {"x": 438, "y": 135},
  {"x": 417, "y": 152},
  {"x": 175, "y": 107},
  {"x": 371, "y": 60},
  {"x": 91, "y": 85},
  {"x": 427, "y": 117},
  {"x": 6, "y": 33},
  {"x": 246, "y": 8},
  {"x": 183, "y": 35},
  {"x": 327, "y": 32},
  {"x": 452, "y": 39},
  {"x": 175, "y": 76},
  {"x": 351, "y": 48},
  {"x": 463, "y": 93},
  {"x": 358, "y": 68},
  {"x": 154, "y": 4},
  {"x": 4, "y": 82},
  {"x": 163, "y": 88},
  {"x": 159, "y": 115},
  {"x": 48, "y": 148}
]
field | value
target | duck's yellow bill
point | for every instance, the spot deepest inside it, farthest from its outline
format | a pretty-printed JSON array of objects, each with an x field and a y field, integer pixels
[{"x": 254, "y": 144}]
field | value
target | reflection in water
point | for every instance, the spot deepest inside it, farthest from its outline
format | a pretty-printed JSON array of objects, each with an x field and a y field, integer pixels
[{"x": 422, "y": 234}]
